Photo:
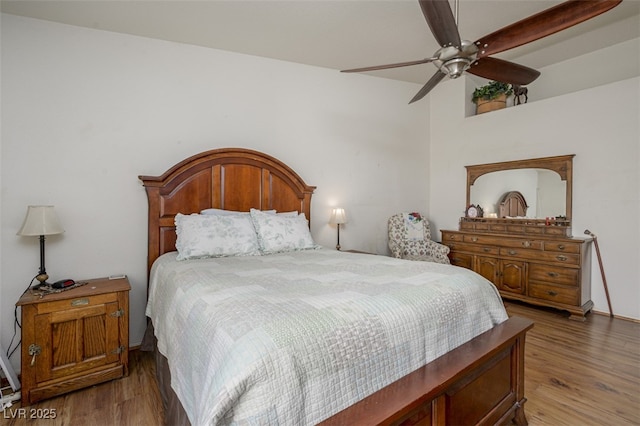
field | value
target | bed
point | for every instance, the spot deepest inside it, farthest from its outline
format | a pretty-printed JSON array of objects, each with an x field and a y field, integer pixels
[{"x": 307, "y": 335}]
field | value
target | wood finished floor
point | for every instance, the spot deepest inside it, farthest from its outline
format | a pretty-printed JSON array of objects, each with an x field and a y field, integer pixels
[{"x": 577, "y": 373}]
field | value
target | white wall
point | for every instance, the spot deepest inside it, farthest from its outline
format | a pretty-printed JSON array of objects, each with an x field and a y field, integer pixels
[
  {"x": 84, "y": 112},
  {"x": 616, "y": 63},
  {"x": 599, "y": 125}
]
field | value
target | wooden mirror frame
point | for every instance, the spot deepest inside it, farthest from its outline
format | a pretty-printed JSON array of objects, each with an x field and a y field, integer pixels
[{"x": 563, "y": 165}]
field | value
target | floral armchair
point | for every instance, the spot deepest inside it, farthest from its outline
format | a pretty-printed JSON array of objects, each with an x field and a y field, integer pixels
[{"x": 410, "y": 238}]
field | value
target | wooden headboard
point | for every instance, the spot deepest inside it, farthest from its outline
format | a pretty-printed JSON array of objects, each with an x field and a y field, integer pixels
[
  {"x": 513, "y": 204},
  {"x": 230, "y": 179}
]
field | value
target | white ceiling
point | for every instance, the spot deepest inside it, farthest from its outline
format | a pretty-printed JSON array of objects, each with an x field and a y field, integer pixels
[{"x": 335, "y": 34}]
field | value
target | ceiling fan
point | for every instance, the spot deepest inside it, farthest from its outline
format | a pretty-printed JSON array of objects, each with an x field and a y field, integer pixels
[{"x": 457, "y": 56}]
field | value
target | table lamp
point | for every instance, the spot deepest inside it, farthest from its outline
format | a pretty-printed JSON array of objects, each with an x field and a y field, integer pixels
[
  {"x": 338, "y": 217},
  {"x": 41, "y": 221}
]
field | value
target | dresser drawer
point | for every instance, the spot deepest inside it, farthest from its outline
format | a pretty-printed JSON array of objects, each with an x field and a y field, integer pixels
[
  {"x": 451, "y": 236},
  {"x": 522, "y": 243},
  {"x": 558, "y": 294},
  {"x": 474, "y": 248},
  {"x": 78, "y": 302},
  {"x": 490, "y": 227},
  {"x": 559, "y": 231},
  {"x": 478, "y": 239},
  {"x": 461, "y": 259},
  {"x": 562, "y": 247},
  {"x": 554, "y": 274},
  {"x": 504, "y": 242},
  {"x": 523, "y": 229},
  {"x": 557, "y": 258}
]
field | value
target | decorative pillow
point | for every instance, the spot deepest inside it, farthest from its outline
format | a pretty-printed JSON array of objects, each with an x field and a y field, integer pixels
[
  {"x": 415, "y": 228},
  {"x": 281, "y": 233},
  {"x": 202, "y": 236}
]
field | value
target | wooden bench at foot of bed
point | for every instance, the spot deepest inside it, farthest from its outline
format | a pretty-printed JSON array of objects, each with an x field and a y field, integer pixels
[{"x": 479, "y": 383}]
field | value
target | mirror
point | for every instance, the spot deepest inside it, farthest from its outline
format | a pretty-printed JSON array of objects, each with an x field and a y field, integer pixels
[
  {"x": 544, "y": 183},
  {"x": 543, "y": 190}
]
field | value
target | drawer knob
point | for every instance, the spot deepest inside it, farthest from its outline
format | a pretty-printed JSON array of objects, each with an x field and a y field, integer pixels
[
  {"x": 526, "y": 244},
  {"x": 79, "y": 302},
  {"x": 486, "y": 249},
  {"x": 561, "y": 247},
  {"x": 561, "y": 258},
  {"x": 474, "y": 239},
  {"x": 512, "y": 252},
  {"x": 553, "y": 274},
  {"x": 552, "y": 293}
]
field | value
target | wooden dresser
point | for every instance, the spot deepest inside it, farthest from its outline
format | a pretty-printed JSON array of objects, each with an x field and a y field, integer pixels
[
  {"x": 545, "y": 270},
  {"x": 75, "y": 338}
]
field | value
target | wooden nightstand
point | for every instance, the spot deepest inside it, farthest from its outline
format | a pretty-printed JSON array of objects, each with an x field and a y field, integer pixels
[{"x": 75, "y": 338}]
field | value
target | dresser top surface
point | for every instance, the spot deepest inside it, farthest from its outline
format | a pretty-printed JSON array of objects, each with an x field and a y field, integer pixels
[{"x": 531, "y": 237}]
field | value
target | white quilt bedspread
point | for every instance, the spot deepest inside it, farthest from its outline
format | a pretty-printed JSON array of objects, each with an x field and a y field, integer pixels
[{"x": 293, "y": 338}]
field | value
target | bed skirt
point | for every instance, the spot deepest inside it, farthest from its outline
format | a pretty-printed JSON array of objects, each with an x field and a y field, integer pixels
[{"x": 174, "y": 413}]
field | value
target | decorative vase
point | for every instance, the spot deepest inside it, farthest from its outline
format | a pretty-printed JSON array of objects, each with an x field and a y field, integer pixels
[{"x": 486, "y": 105}]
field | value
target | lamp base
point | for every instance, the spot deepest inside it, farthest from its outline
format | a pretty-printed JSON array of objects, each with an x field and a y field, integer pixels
[{"x": 42, "y": 278}]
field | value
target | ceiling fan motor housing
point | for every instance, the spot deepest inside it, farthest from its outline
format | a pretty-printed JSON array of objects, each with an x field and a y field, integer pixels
[{"x": 453, "y": 61}]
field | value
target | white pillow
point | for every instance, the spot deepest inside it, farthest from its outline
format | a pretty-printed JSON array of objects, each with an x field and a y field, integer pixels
[
  {"x": 281, "y": 233},
  {"x": 202, "y": 236}
]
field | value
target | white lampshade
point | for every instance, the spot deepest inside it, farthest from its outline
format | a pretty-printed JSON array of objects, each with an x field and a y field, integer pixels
[
  {"x": 338, "y": 217},
  {"x": 40, "y": 220}
]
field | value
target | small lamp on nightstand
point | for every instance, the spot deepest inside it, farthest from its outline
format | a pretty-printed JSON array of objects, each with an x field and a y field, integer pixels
[
  {"x": 41, "y": 221},
  {"x": 338, "y": 217}
]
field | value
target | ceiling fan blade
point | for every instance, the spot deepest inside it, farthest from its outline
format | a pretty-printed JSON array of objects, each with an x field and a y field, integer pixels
[
  {"x": 441, "y": 21},
  {"x": 433, "y": 81},
  {"x": 542, "y": 24},
  {"x": 396, "y": 65},
  {"x": 503, "y": 71}
]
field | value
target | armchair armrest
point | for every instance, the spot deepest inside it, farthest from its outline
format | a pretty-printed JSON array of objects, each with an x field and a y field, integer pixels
[
  {"x": 440, "y": 252},
  {"x": 426, "y": 250}
]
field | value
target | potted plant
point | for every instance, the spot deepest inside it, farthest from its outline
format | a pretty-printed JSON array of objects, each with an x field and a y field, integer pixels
[{"x": 491, "y": 96}]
